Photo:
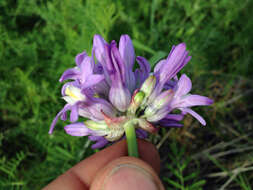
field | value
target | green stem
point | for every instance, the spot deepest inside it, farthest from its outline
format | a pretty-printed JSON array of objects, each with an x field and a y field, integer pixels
[{"x": 131, "y": 139}]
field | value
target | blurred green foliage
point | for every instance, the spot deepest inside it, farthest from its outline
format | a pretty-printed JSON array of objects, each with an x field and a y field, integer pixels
[{"x": 39, "y": 40}]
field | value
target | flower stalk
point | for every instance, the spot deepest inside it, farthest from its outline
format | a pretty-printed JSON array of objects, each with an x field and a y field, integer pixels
[{"x": 131, "y": 139}]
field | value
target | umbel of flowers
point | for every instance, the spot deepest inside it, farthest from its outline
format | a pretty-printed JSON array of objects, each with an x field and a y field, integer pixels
[{"x": 118, "y": 101}]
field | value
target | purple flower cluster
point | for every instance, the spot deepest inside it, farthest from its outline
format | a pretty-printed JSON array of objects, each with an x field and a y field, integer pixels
[{"x": 108, "y": 92}]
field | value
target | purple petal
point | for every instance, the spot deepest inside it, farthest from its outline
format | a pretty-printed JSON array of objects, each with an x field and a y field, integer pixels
[
  {"x": 102, "y": 88},
  {"x": 176, "y": 117},
  {"x": 92, "y": 80},
  {"x": 120, "y": 97},
  {"x": 98, "y": 68},
  {"x": 96, "y": 108},
  {"x": 65, "y": 108},
  {"x": 99, "y": 48},
  {"x": 74, "y": 113},
  {"x": 173, "y": 125},
  {"x": 64, "y": 116},
  {"x": 95, "y": 138},
  {"x": 168, "y": 123},
  {"x": 196, "y": 100},
  {"x": 194, "y": 114},
  {"x": 86, "y": 68},
  {"x": 119, "y": 94},
  {"x": 79, "y": 58},
  {"x": 70, "y": 74},
  {"x": 82, "y": 111},
  {"x": 171, "y": 84},
  {"x": 184, "y": 86},
  {"x": 142, "y": 73},
  {"x": 127, "y": 54},
  {"x": 141, "y": 133},
  {"x": 163, "y": 99},
  {"x": 118, "y": 68},
  {"x": 130, "y": 80},
  {"x": 176, "y": 60},
  {"x": 159, "y": 65},
  {"x": 126, "y": 50},
  {"x": 77, "y": 129},
  {"x": 160, "y": 114},
  {"x": 99, "y": 144}
]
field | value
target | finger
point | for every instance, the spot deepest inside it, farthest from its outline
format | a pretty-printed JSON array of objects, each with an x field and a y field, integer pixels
[
  {"x": 85, "y": 171},
  {"x": 127, "y": 173},
  {"x": 67, "y": 181},
  {"x": 88, "y": 168}
]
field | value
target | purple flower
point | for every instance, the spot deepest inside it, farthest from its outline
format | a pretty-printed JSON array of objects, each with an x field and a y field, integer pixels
[
  {"x": 83, "y": 73},
  {"x": 167, "y": 69},
  {"x": 107, "y": 91},
  {"x": 183, "y": 100},
  {"x": 78, "y": 129},
  {"x": 100, "y": 141},
  {"x": 178, "y": 98}
]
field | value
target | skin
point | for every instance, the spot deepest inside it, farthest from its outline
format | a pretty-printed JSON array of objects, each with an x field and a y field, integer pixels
[{"x": 92, "y": 173}]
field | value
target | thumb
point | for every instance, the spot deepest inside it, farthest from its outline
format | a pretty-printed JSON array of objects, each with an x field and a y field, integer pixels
[{"x": 127, "y": 173}]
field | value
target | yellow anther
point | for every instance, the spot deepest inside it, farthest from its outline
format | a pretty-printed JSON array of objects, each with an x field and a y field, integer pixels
[{"x": 71, "y": 94}]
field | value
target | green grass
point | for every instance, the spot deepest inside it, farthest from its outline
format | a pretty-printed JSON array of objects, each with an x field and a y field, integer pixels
[{"x": 39, "y": 40}]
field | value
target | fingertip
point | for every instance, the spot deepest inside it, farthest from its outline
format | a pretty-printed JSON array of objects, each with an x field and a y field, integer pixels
[{"x": 125, "y": 173}]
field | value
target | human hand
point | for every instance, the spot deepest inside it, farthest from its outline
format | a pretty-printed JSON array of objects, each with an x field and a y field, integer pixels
[{"x": 112, "y": 169}]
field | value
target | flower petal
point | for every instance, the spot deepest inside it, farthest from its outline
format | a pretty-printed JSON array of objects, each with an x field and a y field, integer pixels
[
  {"x": 80, "y": 57},
  {"x": 126, "y": 50},
  {"x": 118, "y": 66},
  {"x": 184, "y": 86},
  {"x": 194, "y": 114},
  {"x": 120, "y": 97},
  {"x": 99, "y": 48},
  {"x": 176, "y": 60},
  {"x": 168, "y": 123},
  {"x": 92, "y": 80},
  {"x": 160, "y": 114},
  {"x": 159, "y": 65},
  {"x": 100, "y": 143},
  {"x": 77, "y": 129},
  {"x": 145, "y": 125},
  {"x": 142, "y": 73},
  {"x": 141, "y": 133},
  {"x": 95, "y": 138},
  {"x": 65, "y": 108},
  {"x": 74, "y": 113},
  {"x": 102, "y": 89},
  {"x": 196, "y": 100},
  {"x": 95, "y": 109},
  {"x": 70, "y": 74},
  {"x": 86, "y": 68},
  {"x": 82, "y": 111},
  {"x": 176, "y": 117}
]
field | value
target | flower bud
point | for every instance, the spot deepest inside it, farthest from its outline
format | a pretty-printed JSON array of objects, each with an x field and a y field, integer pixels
[
  {"x": 148, "y": 85},
  {"x": 137, "y": 99},
  {"x": 78, "y": 129},
  {"x": 145, "y": 125},
  {"x": 99, "y": 127},
  {"x": 159, "y": 103}
]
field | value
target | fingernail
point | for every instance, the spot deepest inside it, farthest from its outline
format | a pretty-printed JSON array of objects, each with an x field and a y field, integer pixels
[{"x": 129, "y": 177}]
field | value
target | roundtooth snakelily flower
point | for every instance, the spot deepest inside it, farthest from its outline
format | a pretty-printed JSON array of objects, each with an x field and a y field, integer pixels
[{"x": 118, "y": 101}]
